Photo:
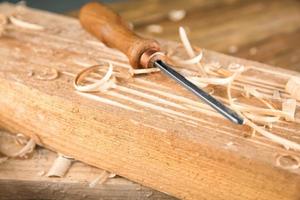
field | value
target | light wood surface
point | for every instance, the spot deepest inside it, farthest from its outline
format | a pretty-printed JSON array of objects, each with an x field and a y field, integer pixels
[
  {"x": 267, "y": 31},
  {"x": 26, "y": 179},
  {"x": 144, "y": 138}
]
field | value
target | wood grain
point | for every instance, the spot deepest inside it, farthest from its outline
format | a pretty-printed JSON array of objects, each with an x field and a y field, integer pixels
[
  {"x": 25, "y": 179},
  {"x": 267, "y": 31},
  {"x": 145, "y": 137}
]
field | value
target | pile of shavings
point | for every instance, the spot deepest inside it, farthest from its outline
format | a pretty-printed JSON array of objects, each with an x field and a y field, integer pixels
[{"x": 259, "y": 118}]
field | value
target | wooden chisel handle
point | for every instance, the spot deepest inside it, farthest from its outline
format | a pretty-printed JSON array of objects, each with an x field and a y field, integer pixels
[{"x": 109, "y": 27}]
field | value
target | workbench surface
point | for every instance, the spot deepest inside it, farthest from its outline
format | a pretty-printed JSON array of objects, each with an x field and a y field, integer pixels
[{"x": 266, "y": 31}]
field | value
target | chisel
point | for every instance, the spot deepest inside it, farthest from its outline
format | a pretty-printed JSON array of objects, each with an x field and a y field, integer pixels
[{"x": 110, "y": 28}]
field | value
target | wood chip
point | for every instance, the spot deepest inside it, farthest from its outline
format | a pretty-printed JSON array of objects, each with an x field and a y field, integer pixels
[
  {"x": 23, "y": 24},
  {"x": 100, "y": 179},
  {"x": 289, "y": 107},
  {"x": 293, "y": 87},
  {"x": 143, "y": 71},
  {"x": 59, "y": 167}
]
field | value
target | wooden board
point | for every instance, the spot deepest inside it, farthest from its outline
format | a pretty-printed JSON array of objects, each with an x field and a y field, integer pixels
[
  {"x": 267, "y": 31},
  {"x": 25, "y": 179},
  {"x": 145, "y": 138}
]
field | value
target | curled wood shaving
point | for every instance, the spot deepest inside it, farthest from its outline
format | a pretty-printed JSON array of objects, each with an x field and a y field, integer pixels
[
  {"x": 293, "y": 162},
  {"x": 212, "y": 81},
  {"x": 251, "y": 114},
  {"x": 60, "y": 166},
  {"x": 186, "y": 42},
  {"x": 21, "y": 139},
  {"x": 189, "y": 49},
  {"x": 108, "y": 80},
  {"x": 289, "y": 107},
  {"x": 248, "y": 111},
  {"x": 12, "y": 146},
  {"x": 261, "y": 119},
  {"x": 277, "y": 139},
  {"x": 293, "y": 87},
  {"x": 191, "y": 61},
  {"x": 176, "y": 15},
  {"x": 23, "y": 24},
  {"x": 27, "y": 149}
]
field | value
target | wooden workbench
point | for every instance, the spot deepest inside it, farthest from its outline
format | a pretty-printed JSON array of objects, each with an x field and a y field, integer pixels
[
  {"x": 267, "y": 31},
  {"x": 271, "y": 27}
]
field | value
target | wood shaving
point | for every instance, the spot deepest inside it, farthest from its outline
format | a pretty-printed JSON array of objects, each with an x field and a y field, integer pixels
[
  {"x": 108, "y": 80},
  {"x": 21, "y": 139},
  {"x": 112, "y": 175},
  {"x": 102, "y": 178},
  {"x": 289, "y": 107},
  {"x": 251, "y": 114},
  {"x": 154, "y": 28},
  {"x": 276, "y": 95},
  {"x": 293, "y": 87},
  {"x": 191, "y": 61},
  {"x": 60, "y": 166},
  {"x": 290, "y": 162},
  {"x": 186, "y": 42},
  {"x": 27, "y": 149},
  {"x": 47, "y": 75},
  {"x": 143, "y": 71},
  {"x": 189, "y": 49},
  {"x": 275, "y": 138},
  {"x": 23, "y": 24},
  {"x": 176, "y": 15}
]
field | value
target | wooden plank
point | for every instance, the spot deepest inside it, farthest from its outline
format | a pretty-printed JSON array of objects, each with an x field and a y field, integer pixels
[
  {"x": 135, "y": 132},
  {"x": 265, "y": 31},
  {"x": 25, "y": 179}
]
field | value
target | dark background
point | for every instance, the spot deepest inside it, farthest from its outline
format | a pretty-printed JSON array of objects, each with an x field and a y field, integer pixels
[{"x": 56, "y": 5}]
